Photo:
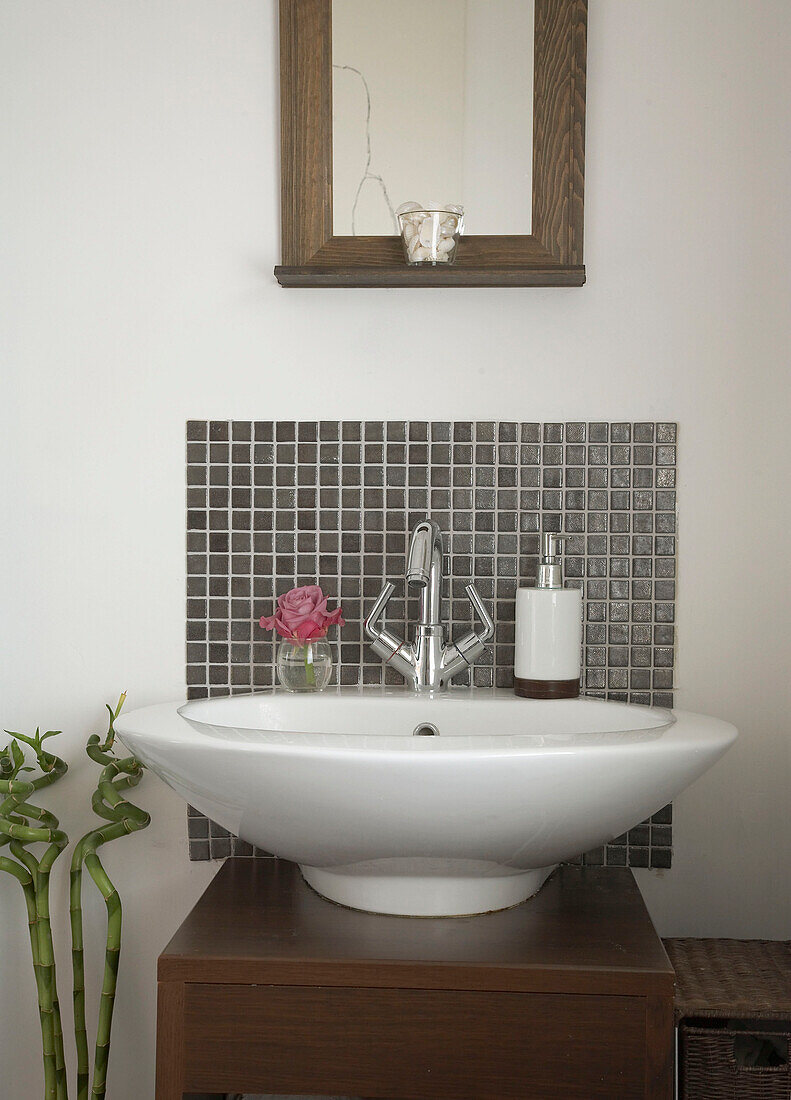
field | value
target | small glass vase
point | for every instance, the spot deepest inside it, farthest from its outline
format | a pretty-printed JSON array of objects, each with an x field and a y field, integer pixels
[{"x": 304, "y": 666}]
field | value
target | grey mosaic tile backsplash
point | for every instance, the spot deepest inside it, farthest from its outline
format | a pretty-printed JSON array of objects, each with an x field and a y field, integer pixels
[{"x": 275, "y": 504}]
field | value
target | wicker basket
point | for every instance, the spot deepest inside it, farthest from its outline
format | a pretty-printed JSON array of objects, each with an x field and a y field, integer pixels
[
  {"x": 719, "y": 982},
  {"x": 726, "y": 978},
  {"x": 711, "y": 1071}
]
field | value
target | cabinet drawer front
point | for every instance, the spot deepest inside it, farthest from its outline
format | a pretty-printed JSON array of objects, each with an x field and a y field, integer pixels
[{"x": 416, "y": 1043}]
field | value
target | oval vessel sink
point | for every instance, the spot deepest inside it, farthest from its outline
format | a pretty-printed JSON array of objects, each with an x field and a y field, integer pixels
[{"x": 424, "y": 806}]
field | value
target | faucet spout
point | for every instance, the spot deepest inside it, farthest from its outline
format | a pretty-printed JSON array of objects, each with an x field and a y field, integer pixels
[{"x": 424, "y": 569}]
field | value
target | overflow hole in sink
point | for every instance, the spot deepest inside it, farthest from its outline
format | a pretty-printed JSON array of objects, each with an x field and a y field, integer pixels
[{"x": 425, "y": 729}]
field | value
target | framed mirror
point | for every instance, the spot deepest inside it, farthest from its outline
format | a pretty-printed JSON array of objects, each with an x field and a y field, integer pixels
[{"x": 477, "y": 103}]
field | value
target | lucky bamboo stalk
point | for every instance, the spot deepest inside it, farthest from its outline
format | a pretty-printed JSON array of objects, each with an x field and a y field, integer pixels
[
  {"x": 21, "y": 824},
  {"x": 33, "y": 875},
  {"x": 123, "y": 818}
]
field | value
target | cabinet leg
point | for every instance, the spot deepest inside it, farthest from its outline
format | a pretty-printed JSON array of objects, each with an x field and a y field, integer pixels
[
  {"x": 660, "y": 1061},
  {"x": 170, "y": 1041}
]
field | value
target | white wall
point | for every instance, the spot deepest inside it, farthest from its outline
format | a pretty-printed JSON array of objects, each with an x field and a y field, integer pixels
[{"x": 140, "y": 227}]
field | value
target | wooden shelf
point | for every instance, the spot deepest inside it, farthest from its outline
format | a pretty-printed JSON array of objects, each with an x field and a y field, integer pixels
[
  {"x": 481, "y": 261},
  {"x": 404, "y": 276}
]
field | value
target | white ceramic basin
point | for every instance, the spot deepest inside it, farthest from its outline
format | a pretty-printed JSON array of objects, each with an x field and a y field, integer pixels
[{"x": 468, "y": 821}]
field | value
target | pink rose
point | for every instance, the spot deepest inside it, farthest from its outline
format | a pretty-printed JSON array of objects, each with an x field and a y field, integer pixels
[{"x": 302, "y": 614}]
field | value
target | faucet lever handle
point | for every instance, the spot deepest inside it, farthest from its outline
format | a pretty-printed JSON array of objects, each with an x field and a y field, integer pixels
[
  {"x": 482, "y": 613},
  {"x": 384, "y": 643},
  {"x": 380, "y": 604},
  {"x": 468, "y": 649}
]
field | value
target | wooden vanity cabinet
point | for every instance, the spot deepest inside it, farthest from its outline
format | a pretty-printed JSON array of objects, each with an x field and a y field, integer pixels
[{"x": 268, "y": 988}]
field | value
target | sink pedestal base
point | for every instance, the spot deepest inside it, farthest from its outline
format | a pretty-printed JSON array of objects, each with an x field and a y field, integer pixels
[{"x": 410, "y": 889}]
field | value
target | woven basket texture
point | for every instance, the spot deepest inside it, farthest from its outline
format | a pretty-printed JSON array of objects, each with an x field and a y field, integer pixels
[
  {"x": 709, "y": 1070},
  {"x": 732, "y": 978}
]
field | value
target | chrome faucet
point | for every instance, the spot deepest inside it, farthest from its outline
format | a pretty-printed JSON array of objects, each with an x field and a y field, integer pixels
[{"x": 427, "y": 664}]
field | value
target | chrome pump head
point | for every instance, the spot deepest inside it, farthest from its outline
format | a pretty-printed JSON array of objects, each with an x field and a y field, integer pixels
[{"x": 550, "y": 571}]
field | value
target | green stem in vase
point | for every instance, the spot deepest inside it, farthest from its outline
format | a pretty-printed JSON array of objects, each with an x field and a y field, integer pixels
[{"x": 310, "y": 672}]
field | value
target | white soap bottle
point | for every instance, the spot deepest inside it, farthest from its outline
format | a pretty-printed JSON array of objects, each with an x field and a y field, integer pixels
[{"x": 548, "y": 631}]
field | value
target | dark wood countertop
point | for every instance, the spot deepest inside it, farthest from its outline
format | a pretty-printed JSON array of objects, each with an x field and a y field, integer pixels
[{"x": 586, "y": 931}]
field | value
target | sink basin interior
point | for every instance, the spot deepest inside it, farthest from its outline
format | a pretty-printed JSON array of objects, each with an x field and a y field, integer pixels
[{"x": 392, "y": 718}]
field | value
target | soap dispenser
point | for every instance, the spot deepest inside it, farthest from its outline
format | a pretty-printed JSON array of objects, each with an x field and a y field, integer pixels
[{"x": 548, "y": 631}]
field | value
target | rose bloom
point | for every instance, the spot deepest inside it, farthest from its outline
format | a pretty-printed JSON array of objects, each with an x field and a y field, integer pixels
[{"x": 302, "y": 615}]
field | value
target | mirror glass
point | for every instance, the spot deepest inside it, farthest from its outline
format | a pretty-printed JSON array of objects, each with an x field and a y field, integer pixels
[{"x": 432, "y": 103}]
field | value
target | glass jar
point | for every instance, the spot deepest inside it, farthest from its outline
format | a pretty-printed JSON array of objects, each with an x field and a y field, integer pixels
[
  {"x": 430, "y": 236},
  {"x": 304, "y": 666}
]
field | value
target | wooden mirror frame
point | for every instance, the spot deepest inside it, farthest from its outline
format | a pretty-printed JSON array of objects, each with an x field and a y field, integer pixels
[{"x": 550, "y": 256}]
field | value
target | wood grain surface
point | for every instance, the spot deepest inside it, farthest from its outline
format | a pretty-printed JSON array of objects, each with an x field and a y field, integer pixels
[
  {"x": 305, "y": 127},
  {"x": 170, "y": 1040},
  {"x": 559, "y": 127},
  {"x": 267, "y": 987},
  {"x": 586, "y": 931},
  {"x": 421, "y": 1044}
]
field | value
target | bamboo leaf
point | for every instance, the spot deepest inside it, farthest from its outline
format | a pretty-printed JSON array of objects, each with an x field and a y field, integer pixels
[
  {"x": 33, "y": 741},
  {"x": 17, "y": 756},
  {"x": 23, "y": 737}
]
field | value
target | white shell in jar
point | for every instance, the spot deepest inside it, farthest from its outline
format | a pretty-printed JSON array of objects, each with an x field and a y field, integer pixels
[
  {"x": 414, "y": 246},
  {"x": 429, "y": 230}
]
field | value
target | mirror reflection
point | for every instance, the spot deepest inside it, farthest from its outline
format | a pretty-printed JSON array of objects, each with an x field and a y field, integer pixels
[{"x": 432, "y": 103}]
